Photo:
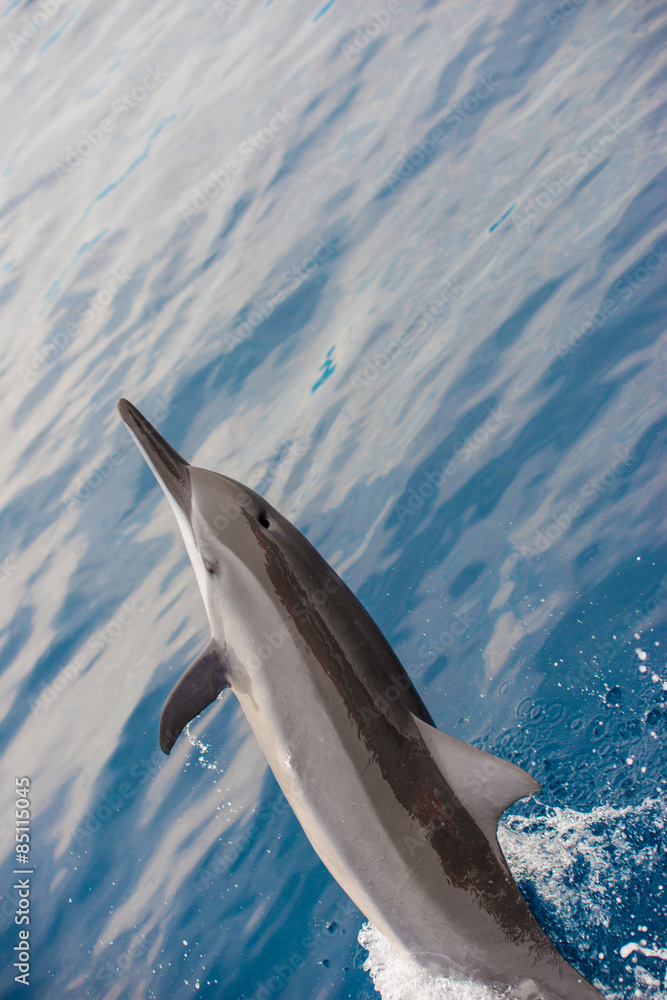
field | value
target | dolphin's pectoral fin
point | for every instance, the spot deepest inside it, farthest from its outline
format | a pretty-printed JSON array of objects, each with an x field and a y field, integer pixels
[
  {"x": 201, "y": 684},
  {"x": 484, "y": 784}
]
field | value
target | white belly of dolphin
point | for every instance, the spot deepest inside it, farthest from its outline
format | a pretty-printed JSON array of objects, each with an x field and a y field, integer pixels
[{"x": 382, "y": 860}]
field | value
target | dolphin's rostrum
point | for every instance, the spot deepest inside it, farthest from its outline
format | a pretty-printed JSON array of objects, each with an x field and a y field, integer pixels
[{"x": 403, "y": 816}]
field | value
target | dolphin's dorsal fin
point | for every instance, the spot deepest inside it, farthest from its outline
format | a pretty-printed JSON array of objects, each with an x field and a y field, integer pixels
[
  {"x": 485, "y": 785},
  {"x": 201, "y": 684}
]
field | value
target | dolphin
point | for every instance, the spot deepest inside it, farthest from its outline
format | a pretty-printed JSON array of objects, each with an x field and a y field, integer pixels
[{"x": 403, "y": 815}]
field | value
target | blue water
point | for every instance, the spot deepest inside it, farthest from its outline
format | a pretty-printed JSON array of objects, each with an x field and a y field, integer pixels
[{"x": 406, "y": 276}]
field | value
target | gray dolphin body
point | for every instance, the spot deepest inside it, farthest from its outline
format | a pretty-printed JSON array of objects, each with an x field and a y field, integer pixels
[{"x": 403, "y": 816}]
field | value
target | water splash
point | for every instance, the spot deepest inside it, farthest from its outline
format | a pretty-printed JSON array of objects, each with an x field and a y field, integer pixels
[
  {"x": 203, "y": 750},
  {"x": 395, "y": 977},
  {"x": 562, "y": 861}
]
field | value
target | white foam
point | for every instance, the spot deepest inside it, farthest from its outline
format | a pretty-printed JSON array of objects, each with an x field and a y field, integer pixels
[
  {"x": 631, "y": 946},
  {"x": 564, "y": 856},
  {"x": 395, "y": 977}
]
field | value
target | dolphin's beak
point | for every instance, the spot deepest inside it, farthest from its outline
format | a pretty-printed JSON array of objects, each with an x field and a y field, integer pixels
[{"x": 171, "y": 471}]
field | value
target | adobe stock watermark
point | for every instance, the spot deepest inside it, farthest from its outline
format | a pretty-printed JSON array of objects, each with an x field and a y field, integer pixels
[
  {"x": 398, "y": 684},
  {"x": 120, "y": 109},
  {"x": 634, "y": 622},
  {"x": 481, "y": 777},
  {"x": 86, "y": 311},
  {"x": 287, "y": 456},
  {"x": 580, "y": 162},
  {"x": 419, "y": 321},
  {"x": 430, "y": 651},
  {"x": 424, "y": 315},
  {"x": 97, "y": 986},
  {"x": 290, "y": 281},
  {"x": 592, "y": 490},
  {"x": 379, "y": 361},
  {"x": 218, "y": 180},
  {"x": 100, "y": 640},
  {"x": 624, "y": 287},
  {"x": 282, "y": 972},
  {"x": 307, "y": 608},
  {"x": 416, "y": 497},
  {"x": 364, "y": 35},
  {"x": 228, "y": 512},
  {"x": 111, "y": 803},
  {"x": 84, "y": 487},
  {"x": 42, "y": 14},
  {"x": 455, "y": 116},
  {"x": 224, "y": 857}
]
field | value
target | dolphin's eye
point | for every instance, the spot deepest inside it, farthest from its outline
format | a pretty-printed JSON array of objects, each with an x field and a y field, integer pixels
[
  {"x": 263, "y": 520},
  {"x": 209, "y": 567}
]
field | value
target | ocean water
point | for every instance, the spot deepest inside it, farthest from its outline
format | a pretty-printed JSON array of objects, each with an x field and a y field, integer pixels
[{"x": 401, "y": 267}]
